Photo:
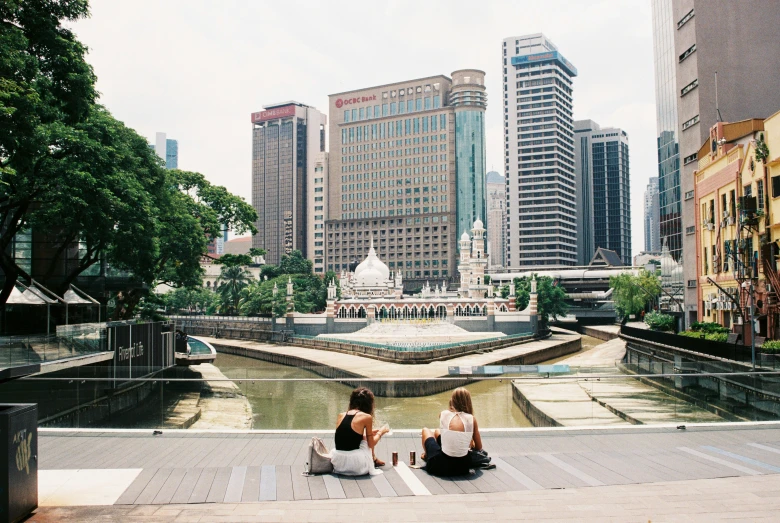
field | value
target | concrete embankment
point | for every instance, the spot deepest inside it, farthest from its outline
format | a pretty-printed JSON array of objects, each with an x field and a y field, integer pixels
[
  {"x": 612, "y": 399},
  {"x": 221, "y": 403},
  {"x": 417, "y": 378}
]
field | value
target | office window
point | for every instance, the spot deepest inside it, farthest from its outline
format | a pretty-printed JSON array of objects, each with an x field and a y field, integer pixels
[
  {"x": 384, "y": 109},
  {"x": 354, "y": 115},
  {"x": 409, "y": 106},
  {"x": 427, "y": 103},
  {"x": 436, "y": 101},
  {"x": 418, "y": 104},
  {"x": 370, "y": 112},
  {"x": 393, "y": 108},
  {"x": 362, "y": 114},
  {"x": 346, "y": 116},
  {"x": 760, "y": 193},
  {"x": 443, "y": 124}
]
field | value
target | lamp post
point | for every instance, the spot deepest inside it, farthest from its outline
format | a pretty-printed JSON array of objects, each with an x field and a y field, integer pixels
[{"x": 748, "y": 286}]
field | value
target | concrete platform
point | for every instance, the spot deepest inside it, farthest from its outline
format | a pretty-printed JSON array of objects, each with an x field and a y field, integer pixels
[
  {"x": 628, "y": 473},
  {"x": 360, "y": 366}
]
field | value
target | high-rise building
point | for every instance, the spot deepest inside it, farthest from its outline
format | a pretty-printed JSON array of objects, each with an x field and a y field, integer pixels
[
  {"x": 496, "y": 219},
  {"x": 288, "y": 140},
  {"x": 690, "y": 48},
  {"x": 318, "y": 212},
  {"x": 166, "y": 149},
  {"x": 603, "y": 191},
  {"x": 652, "y": 230},
  {"x": 407, "y": 166},
  {"x": 539, "y": 150}
]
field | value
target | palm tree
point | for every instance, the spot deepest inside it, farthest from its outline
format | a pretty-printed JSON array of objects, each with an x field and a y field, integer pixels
[{"x": 229, "y": 285}]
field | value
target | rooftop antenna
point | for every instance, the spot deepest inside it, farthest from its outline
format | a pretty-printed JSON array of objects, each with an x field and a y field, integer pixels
[{"x": 717, "y": 107}]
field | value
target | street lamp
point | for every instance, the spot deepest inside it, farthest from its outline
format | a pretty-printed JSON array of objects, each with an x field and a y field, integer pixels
[{"x": 748, "y": 286}]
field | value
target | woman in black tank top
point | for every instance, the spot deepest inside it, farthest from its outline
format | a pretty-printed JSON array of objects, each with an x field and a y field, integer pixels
[{"x": 356, "y": 424}]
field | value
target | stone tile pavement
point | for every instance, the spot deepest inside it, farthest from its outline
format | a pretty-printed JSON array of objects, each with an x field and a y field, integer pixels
[
  {"x": 752, "y": 498},
  {"x": 640, "y": 473}
]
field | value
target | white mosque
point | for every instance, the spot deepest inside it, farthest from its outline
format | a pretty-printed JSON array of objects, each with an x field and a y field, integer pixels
[{"x": 372, "y": 291}]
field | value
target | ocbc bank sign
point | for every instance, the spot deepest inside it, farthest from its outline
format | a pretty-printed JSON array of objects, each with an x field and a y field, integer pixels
[{"x": 341, "y": 102}]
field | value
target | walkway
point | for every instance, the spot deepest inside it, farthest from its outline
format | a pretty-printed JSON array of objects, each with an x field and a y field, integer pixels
[
  {"x": 750, "y": 498},
  {"x": 613, "y": 401},
  {"x": 630, "y": 468},
  {"x": 370, "y": 368}
]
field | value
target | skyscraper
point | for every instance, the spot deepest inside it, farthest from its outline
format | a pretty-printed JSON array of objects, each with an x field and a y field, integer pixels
[
  {"x": 407, "y": 166},
  {"x": 166, "y": 149},
  {"x": 603, "y": 191},
  {"x": 496, "y": 219},
  {"x": 652, "y": 230},
  {"x": 539, "y": 150},
  {"x": 694, "y": 40},
  {"x": 287, "y": 142}
]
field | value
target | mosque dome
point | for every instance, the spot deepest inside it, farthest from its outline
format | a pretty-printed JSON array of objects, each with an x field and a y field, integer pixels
[
  {"x": 372, "y": 271},
  {"x": 478, "y": 224},
  {"x": 465, "y": 237}
]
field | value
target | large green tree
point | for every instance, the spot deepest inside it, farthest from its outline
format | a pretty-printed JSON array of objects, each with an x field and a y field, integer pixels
[
  {"x": 46, "y": 90},
  {"x": 550, "y": 298},
  {"x": 232, "y": 280},
  {"x": 631, "y": 294},
  {"x": 192, "y": 213}
]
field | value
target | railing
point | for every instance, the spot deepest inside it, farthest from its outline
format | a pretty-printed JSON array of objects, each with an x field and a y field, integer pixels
[
  {"x": 204, "y": 317},
  {"x": 718, "y": 349}
]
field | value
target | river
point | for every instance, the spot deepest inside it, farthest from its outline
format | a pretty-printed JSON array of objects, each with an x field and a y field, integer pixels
[{"x": 298, "y": 405}]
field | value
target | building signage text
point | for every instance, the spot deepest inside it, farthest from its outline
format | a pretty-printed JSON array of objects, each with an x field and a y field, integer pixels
[
  {"x": 271, "y": 114},
  {"x": 341, "y": 102},
  {"x": 135, "y": 349}
]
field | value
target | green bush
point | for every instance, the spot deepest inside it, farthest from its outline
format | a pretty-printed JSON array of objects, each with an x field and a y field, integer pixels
[
  {"x": 771, "y": 346},
  {"x": 712, "y": 336},
  {"x": 660, "y": 322},
  {"x": 708, "y": 327}
]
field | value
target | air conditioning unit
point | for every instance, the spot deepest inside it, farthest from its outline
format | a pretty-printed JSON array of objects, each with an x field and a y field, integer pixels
[
  {"x": 725, "y": 214},
  {"x": 709, "y": 226},
  {"x": 730, "y": 220}
]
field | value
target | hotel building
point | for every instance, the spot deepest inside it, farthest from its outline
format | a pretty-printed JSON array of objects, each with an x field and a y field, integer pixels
[
  {"x": 288, "y": 143},
  {"x": 406, "y": 166},
  {"x": 539, "y": 153}
]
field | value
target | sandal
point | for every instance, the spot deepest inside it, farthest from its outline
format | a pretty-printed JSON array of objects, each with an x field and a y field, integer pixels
[{"x": 378, "y": 463}]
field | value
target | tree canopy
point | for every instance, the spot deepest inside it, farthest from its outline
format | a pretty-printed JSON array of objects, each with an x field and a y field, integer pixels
[
  {"x": 550, "y": 297},
  {"x": 83, "y": 182},
  {"x": 631, "y": 294}
]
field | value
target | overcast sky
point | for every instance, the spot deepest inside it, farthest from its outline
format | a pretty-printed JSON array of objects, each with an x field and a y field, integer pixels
[{"x": 197, "y": 69}]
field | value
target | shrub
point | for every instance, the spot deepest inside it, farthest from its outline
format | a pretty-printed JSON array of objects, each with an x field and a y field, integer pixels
[
  {"x": 712, "y": 336},
  {"x": 708, "y": 327},
  {"x": 771, "y": 346},
  {"x": 660, "y": 322}
]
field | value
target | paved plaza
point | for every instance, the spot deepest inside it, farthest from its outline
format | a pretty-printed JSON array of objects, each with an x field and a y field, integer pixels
[{"x": 637, "y": 473}]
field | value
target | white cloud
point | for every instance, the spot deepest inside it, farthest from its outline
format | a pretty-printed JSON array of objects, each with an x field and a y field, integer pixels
[{"x": 196, "y": 70}]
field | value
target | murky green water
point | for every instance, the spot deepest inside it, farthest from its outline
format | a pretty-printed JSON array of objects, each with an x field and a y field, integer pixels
[{"x": 315, "y": 405}]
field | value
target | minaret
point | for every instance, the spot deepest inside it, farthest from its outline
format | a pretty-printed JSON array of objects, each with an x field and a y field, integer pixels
[
  {"x": 478, "y": 260},
  {"x": 330, "y": 303},
  {"x": 290, "y": 305},
  {"x": 464, "y": 267}
]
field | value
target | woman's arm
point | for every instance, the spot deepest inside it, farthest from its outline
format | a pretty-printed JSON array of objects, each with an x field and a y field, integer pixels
[
  {"x": 477, "y": 437},
  {"x": 369, "y": 431}
]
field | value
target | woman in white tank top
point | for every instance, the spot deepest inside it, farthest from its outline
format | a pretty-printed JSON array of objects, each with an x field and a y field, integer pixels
[{"x": 447, "y": 448}]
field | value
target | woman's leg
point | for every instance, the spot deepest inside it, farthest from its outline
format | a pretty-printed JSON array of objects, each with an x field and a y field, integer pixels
[{"x": 426, "y": 433}]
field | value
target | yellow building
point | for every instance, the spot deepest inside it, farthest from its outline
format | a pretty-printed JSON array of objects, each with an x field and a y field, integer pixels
[{"x": 735, "y": 217}]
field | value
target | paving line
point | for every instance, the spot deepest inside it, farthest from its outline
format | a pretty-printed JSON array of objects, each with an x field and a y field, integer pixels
[
  {"x": 383, "y": 486},
  {"x": 577, "y": 473},
  {"x": 333, "y": 486},
  {"x": 414, "y": 484},
  {"x": 235, "y": 486},
  {"x": 719, "y": 461},
  {"x": 516, "y": 474},
  {"x": 765, "y": 447},
  {"x": 268, "y": 483},
  {"x": 745, "y": 459}
]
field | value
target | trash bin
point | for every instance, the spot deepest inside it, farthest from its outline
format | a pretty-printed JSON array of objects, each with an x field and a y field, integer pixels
[{"x": 18, "y": 461}]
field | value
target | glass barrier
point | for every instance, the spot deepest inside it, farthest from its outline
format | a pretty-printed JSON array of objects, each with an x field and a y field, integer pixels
[{"x": 243, "y": 393}]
